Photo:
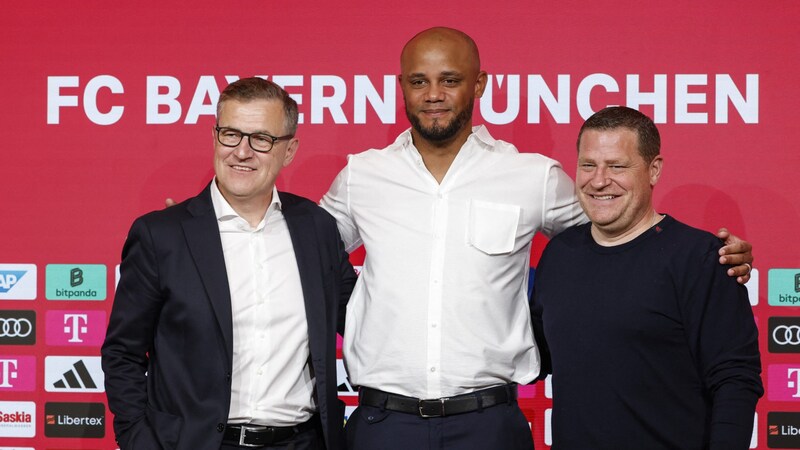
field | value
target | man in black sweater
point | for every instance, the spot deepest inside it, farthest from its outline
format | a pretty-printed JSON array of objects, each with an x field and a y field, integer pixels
[{"x": 652, "y": 345}]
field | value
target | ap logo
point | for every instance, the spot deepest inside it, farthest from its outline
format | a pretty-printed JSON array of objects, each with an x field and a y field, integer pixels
[
  {"x": 17, "y": 282},
  {"x": 9, "y": 278}
]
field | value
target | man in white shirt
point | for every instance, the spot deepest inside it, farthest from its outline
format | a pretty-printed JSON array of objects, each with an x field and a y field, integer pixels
[
  {"x": 223, "y": 329},
  {"x": 438, "y": 331}
]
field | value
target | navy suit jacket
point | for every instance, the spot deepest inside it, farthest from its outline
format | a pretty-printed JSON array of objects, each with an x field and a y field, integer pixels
[{"x": 167, "y": 356}]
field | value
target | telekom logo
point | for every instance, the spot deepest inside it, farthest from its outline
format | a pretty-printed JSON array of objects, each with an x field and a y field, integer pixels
[
  {"x": 8, "y": 372},
  {"x": 783, "y": 382},
  {"x": 17, "y": 373},
  {"x": 75, "y": 325},
  {"x": 794, "y": 382},
  {"x": 73, "y": 328}
]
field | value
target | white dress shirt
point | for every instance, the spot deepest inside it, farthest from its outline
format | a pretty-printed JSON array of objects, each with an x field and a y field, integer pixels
[
  {"x": 440, "y": 307},
  {"x": 271, "y": 379}
]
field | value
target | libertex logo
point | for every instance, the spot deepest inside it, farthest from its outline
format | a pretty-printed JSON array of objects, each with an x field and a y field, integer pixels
[
  {"x": 783, "y": 430},
  {"x": 73, "y": 374},
  {"x": 17, "y": 373},
  {"x": 77, "y": 420},
  {"x": 18, "y": 419},
  {"x": 17, "y": 281},
  {"x": 75, "y": 328}
]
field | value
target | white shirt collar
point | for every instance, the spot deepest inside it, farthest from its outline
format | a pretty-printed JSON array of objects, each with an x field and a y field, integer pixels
[
  {"x": 225, "y": 212},
  {"x": 479, "y": 133}
]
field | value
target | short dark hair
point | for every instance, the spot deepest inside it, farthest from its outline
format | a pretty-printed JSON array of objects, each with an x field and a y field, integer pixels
[
  {"x": 248, "y": 89},
  {"x": 623, "y": 117}
]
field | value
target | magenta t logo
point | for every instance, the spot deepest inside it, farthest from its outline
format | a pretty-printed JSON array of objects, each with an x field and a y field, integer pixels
[
  {"x": 75, "y": 327},
  {"x": 783, "y": 382},
  {"x": 17, "y": 373}
]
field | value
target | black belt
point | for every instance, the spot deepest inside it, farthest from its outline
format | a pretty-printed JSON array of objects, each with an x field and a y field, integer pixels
[
  {"x": 439, "y": 407},
  {"x": 260, "y": 436}
]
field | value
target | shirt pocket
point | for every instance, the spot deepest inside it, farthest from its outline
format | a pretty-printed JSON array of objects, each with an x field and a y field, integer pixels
[{"x": 492, "y": 227}]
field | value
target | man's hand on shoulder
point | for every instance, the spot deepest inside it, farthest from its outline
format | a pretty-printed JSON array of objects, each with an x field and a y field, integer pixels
[
  {"x": 170, "y": 202},
  {"x": 737, "y": 253}
]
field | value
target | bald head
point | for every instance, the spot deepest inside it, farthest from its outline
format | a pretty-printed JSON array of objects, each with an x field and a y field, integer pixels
[
  {"x": 440, "y": 77},
  {"x": 455, "y": 42}
]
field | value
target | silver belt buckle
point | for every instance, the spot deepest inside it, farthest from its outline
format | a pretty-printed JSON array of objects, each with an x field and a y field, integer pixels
[{"x": 244, "y": 429}]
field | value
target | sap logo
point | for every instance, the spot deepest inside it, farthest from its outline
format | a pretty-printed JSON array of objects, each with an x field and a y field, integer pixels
[
  {"x": 17, "y": 282},
  {"x": 8, "y": 278}
]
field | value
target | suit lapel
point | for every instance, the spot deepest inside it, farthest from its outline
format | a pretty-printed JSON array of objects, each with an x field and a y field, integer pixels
[
  {"x": 205, "y": 245},
  {"x": 306, "y": 250}
]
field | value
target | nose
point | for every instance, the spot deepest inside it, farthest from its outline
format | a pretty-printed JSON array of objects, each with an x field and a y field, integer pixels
[
  {"x": 243, "y": 150},
  {"x": 434, "y": 93},
  {"x": 599, "y": 178}
]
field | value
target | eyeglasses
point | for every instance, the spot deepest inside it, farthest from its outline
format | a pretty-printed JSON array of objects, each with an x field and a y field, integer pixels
[{"x": 260, "y": 142}]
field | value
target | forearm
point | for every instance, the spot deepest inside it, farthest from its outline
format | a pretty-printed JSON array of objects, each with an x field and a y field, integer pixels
[{"x": 734, "y": 405}]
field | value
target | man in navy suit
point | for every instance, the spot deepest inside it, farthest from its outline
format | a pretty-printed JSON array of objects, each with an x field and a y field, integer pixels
[{"x": 222, "y": 333}]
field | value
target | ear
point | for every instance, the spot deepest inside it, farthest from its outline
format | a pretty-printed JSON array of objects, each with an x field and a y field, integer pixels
[
  {"x": 291, "y": 150},
  {"x": 480, "y": 84},
  {"x": 655, "y": 169}
]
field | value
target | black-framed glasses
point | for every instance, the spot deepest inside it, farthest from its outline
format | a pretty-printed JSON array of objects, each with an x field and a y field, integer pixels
[{"x": 260, "y": 142}]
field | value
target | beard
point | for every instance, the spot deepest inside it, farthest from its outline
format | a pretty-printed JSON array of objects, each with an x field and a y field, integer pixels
[{"x": 441, "y": 133}]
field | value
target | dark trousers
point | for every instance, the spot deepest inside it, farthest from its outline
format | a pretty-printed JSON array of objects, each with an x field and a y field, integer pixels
[
  {"x": 308, "y": 440},
  {"x": 501, "y": 427}
]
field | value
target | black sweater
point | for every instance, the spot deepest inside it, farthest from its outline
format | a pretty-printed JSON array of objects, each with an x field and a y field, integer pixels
[{"x": 652, "y": 344}]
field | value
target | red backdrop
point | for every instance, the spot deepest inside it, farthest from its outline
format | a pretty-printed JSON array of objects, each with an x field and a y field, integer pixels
[{"x": 108, "y": 108}]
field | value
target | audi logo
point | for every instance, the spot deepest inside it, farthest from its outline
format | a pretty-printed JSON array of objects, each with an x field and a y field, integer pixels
[
  {"x": 15, "y": 327},
  {"x": 786, "y": 335}
]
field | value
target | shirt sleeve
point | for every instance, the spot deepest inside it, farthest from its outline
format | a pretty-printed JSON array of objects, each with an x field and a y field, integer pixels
[
  {"x": 562, "y": 209},
  {"x": 724, "y": 341},
  {"x": 337, "y": 202}
]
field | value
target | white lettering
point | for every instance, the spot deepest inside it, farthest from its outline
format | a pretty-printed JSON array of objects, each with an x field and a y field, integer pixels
[
  {"x": 635, "y": 98},
  {"x": 557, "y": 106},
  {"x": 512, "y": 100},
  {"x": 683, "y": 98},
  {"x": 286, "y": 81},
  {"x": 333, "y": 103},
  {"x": 54, "y": 98},
  {"x": 585, "y": 91},
  {"x": 90, "y": 100},
  {"x": 206, "y": 88},
  {"x": 726, "y": 90},
  {"x": 383, "y": 106},
  {"x": 168, "y": 99}
]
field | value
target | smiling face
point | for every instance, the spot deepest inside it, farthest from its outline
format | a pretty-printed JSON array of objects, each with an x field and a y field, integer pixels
[
  {"x": 615, "y": 183},
  {"x": 245, "y": 177},
  {"x": 440, "y": 78}
]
